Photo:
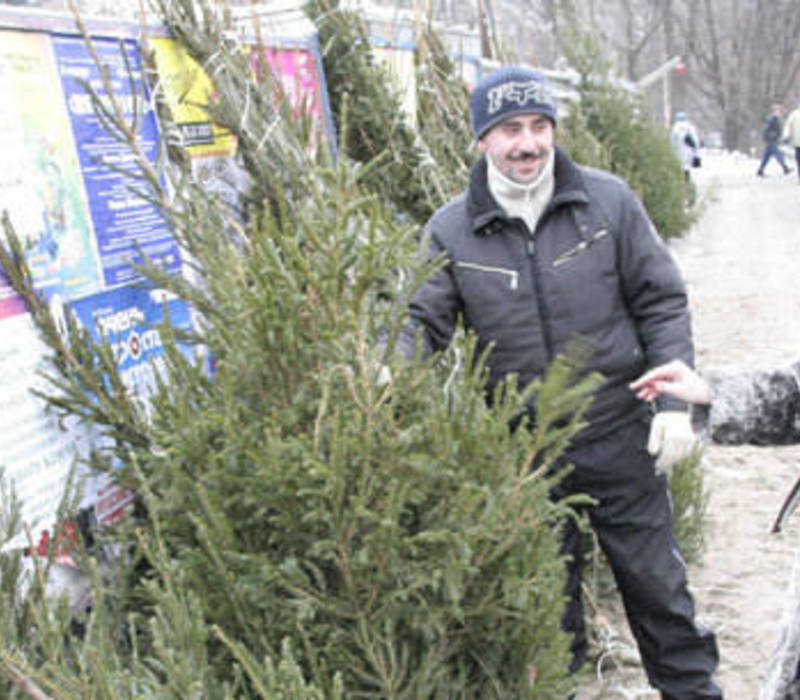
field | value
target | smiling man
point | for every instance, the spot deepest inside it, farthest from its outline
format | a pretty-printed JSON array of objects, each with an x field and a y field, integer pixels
[
  {"x": 520, "y": 147},
  {"x": 540, "y": 250}
]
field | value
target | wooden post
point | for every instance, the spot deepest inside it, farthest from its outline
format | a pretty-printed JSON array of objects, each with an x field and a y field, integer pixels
[{"x": 483, "y": 24}]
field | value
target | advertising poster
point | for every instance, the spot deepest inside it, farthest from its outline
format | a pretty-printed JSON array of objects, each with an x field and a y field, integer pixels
[
  {"x": 127, "y": 317},
  {"x": 37, "y": 454},
  {"x": 40, "y": 182},
  {"x": 187, "y": 90},
  {"x": 124, "y": 222},
  {"x": 299, "y": 77}
]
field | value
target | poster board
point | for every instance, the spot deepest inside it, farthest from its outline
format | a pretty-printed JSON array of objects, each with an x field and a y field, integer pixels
[
  {"x": 83, "y": 227},
  {"x": 83, "y": 223}
]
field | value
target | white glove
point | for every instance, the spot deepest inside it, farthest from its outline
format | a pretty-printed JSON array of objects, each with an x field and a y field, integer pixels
[
  {"x": 671, "y": 438},
  {"x": 384, "y": 376}
]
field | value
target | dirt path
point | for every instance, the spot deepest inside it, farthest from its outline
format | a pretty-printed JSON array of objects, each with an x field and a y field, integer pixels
[{"x": 741, "y": 265}]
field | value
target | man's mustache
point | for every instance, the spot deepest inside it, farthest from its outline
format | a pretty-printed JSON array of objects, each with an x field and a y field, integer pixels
[{"x": 528, "y": 155}]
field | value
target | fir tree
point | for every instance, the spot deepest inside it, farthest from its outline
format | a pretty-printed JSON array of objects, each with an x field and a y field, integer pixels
[{"x": 422, "y": 168}]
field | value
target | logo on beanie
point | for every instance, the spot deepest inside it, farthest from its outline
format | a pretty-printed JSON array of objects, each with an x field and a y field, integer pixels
[{"x": 515, "y": 93}]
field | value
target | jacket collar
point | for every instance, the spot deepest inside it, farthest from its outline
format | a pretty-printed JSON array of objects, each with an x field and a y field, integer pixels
[{"x": 487, "y": 216}]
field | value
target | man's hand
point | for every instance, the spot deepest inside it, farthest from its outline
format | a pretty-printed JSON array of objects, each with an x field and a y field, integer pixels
[{"x": 671, "y": 438}]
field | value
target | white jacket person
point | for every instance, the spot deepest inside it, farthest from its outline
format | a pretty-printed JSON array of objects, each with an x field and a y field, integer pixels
[{"x": 685, "y": 141}]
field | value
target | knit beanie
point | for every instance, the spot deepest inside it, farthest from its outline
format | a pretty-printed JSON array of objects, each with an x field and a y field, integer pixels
[{"x": 506, "y": 92}]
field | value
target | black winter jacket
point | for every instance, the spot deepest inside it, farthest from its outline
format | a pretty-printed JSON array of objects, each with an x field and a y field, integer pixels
[
  {"x": 757, "y": 406},
  {"x": 594, "y": 267}
]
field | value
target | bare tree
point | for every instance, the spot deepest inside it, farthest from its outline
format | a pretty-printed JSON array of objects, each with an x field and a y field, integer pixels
[
  {"x": 633, "y": 29},
  {"x": 742, "y": 56}
]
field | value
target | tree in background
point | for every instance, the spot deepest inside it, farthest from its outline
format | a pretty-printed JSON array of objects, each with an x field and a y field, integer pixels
[
  {"x": 745, "y": 58},
  {"x": 739, "y": 57},
  {"x": 610, "y": 128},
  {"x": 423, "y": 166}
]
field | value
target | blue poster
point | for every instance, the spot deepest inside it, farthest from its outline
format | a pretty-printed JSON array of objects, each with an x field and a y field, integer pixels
[
  {"x": 124, "y": 222},
  {"x": 127, "y": 317}
]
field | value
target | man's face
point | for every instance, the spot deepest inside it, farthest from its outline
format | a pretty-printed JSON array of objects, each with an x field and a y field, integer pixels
[{"x": 519, "y": 146}]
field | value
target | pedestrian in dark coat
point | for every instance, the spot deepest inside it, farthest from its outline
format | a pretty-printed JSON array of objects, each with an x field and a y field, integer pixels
[
  {"x": 540, "y": 250},
  {"x": 760, "y": 407},
  {"x": 771, "y": 135}
]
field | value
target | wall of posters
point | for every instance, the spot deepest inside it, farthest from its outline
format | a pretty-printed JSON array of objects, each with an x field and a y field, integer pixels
[
  {"x": 75, "y": 205},
  {"x": 71, "y": 197}
]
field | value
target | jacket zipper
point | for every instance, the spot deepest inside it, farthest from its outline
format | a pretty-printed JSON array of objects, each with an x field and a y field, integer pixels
[
  {"x": 512, "y": 274},
  {"x": 541, "y": 303},
  {"x": 572, "y": 252}
]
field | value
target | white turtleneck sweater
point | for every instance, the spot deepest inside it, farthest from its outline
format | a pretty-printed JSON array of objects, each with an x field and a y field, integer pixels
[{"x": 524, "y": 201}]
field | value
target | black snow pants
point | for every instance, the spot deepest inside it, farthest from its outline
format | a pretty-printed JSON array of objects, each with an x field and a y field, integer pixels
[{"x": 633, "y": 522}]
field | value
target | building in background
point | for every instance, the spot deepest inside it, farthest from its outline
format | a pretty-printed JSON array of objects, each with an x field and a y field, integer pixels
[{"x": 123, "y": 11}]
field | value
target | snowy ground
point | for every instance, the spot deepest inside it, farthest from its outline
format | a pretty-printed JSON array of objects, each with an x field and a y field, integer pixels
[{"x": 741, "y": 267}]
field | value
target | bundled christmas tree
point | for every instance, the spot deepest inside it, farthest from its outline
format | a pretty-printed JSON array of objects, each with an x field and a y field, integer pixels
[{"x": 424, "y": 164}]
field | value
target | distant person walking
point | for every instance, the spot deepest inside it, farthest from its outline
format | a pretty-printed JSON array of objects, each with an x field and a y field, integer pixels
[
  {"x": 771, "y": 135},
  {"x": 685, "y": 142},
  {"x": 791, "y": 134}
]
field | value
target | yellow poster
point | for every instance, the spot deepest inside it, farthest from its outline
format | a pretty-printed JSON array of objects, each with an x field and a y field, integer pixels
[{"x": 188, "y": 91}]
